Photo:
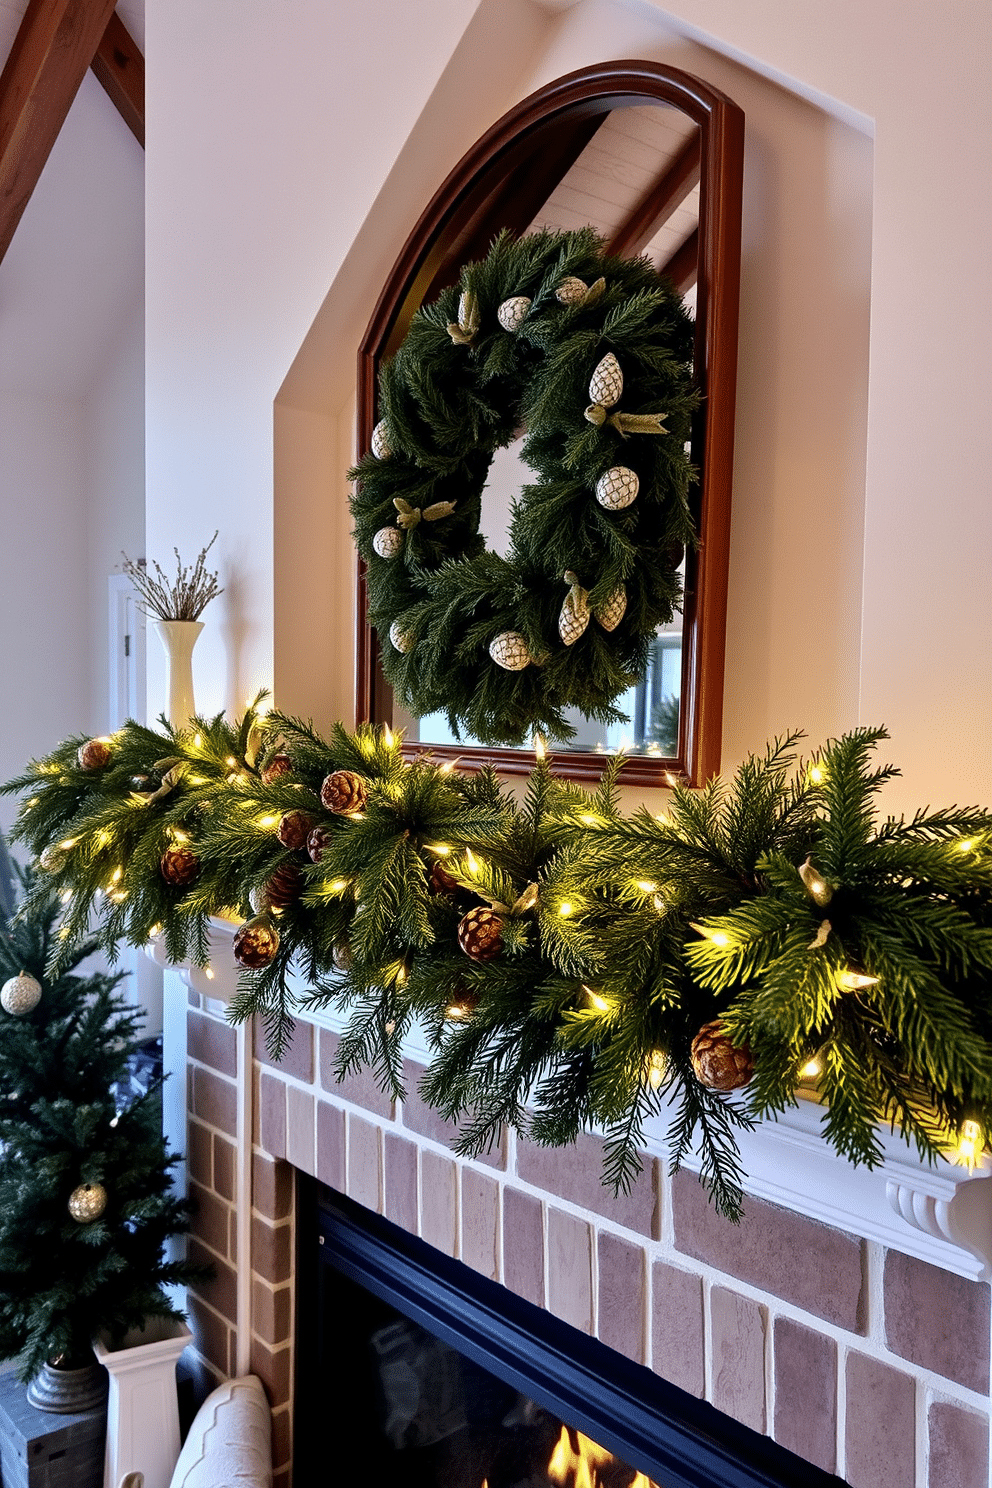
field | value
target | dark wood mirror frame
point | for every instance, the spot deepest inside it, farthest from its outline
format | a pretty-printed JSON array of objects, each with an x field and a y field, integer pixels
[{"x": 503, "y": 181}]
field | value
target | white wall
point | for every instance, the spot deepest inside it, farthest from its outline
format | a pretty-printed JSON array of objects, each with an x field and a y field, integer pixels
[{"x": 289, "y": 153}]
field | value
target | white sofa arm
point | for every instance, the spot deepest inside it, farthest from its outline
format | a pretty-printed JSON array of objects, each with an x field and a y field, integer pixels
[{"x": 230, "y": 1441}]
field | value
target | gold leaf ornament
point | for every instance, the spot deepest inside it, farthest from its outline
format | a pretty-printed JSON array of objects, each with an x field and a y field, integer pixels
[{"x": 464, "y": 330}]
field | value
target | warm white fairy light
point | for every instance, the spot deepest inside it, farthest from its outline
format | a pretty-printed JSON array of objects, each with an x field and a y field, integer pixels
[
  {"x": 656, "y": 1064},
  {"x": 155, "y": 931},
  {"x": 566, "y": 909},
  {"x": 448, "y": 766},
  {"x": 646, "y": 886},
  {"x": 540, "y": 752},
  {"x": 231, "y": 762},
  {"x": 197, "y": 741},
  {"x": 458, "y": 1011},
  {"x": 718, "y": 938},
  {"x": 851, "y": 980},
  {"x": 337, "y": 886},
  {"x": 208, "y": 972},
  {"x": 117, "y": 875},
  {"x": 970, "y": 1145},
  {"x": 659, "y": 903},
  {"x": 811, "y": 1069},
  {"x": 471, "y": 861},
  {"x": 588, "y": 820},
  {"x": 966, "y": 844},
  {"x": 387, "y": 736},
  {"x": 596, "y": 1000},
  {"x": 178, "y": 835},
  {"x": 267, "y": 822},
  {"x": 817, "y": 774},
  {"x": 443, "y": 849}
]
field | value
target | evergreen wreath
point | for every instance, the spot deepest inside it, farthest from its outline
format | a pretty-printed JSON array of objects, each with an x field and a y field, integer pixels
[
  {"x": 592, "y": 354},
  {"x": 573, "y": 967}
]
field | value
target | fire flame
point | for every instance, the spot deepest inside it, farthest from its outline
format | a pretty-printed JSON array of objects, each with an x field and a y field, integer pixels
[{"x": 580, "y": 1468}]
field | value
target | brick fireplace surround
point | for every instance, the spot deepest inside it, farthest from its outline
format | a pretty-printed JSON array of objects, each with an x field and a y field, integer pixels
[{"x": 871, "y": 1363}]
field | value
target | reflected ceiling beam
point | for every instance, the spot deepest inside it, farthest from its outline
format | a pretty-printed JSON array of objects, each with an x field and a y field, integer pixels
[
  {"x": 683, "y": 265},
  {"x": 120, "y": 67},
  {"x": 658, "y": 203},
  {"x": 52, "y": 50}
]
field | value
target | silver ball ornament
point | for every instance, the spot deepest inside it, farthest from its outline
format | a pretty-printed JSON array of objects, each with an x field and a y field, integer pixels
[{"x": 20, "y": 995}]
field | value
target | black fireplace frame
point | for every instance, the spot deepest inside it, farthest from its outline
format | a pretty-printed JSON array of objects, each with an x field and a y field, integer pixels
[{"x": 676, "y": 1439}]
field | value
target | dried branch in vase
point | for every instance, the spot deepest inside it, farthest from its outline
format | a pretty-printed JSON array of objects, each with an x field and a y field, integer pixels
[{"x": 183, "y": 598}]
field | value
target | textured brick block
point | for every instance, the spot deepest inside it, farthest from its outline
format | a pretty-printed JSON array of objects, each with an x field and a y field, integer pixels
[
  {"x": 209, "y": 1041},
  {"x": 364, "y": 1163},
  {"x": 421, "y": 1118},
  {"x": 301, "y": 1146},
  {"x": 296, "y": 1060},
  {"x": 677, "y": 1327},
  {"x": 221, "y": 1293},
  {"x": 271, "y": 1187},
  {"x": 271, "y": 1250},
  {"x": 212, "y": 1334},
  {"x": 330, "y": 1145},
  {"x": 359, "y": 1088},
  {"x": 622, "y": 1299},
  {"x": 282, "y": 1442},
  {"x": 570, "y": 1269},
  {"x": 400, "y": 1181},
  {"x": 224, "y": 1154},
  {"x": 274, "y": 1369},
  {"x": 212, "y": 1219},
  {"x": 272, "y": 1115},
  {"x": 937, "y": 1320},
  {"x": 523, "y": 1245},
  {"x": 806, "y": 1393},
  {"x": 881, "y": 1425},
  {"x": 271, "y": 1311},
  {"x": 738, "y": 1350},
  {"x": 199, "y": 1153},
  {"x": 214, "y": 1100},
  {"x": 959, "y": 1447},
  {"x": 811, "y": 1265},
  {"x": 575, "y": 1173},
  {"x": 438, "y": 1202},
  {"x": 480, "y": 1222}
]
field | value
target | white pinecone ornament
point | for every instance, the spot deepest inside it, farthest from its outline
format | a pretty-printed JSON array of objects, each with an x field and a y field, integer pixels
[
  {"x": 574, "y": 618},
  {"x": 380, "y": 441},
  {"x": 612, "y": 612},
  {"x": 20, "y": 995},
  {"x": 509, "y": 651},
  {"x": 571, "y": 290},
  {"x": 617, "y": 487},
  {"x": 388, "y": 542},
  {"x": 513, "y": 312},
  {"x": 606, "y": 383},
  {"x": 401, "y": 639}
]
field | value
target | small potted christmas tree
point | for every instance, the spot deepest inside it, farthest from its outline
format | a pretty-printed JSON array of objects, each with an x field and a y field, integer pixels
[{"x": 86, "y": 1197}]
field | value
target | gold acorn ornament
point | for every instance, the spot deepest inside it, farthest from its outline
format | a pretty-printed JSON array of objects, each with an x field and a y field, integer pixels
[
  {"x": 343, "y": 792},
  {"x": 513, "y": 312},
  {"x": 617, "y": 488},
  {"x": 380, "y": 441},
  {"x": 613, "y": 609},
  {"x": 294, "y": 828},
  {"x": 606, "y": 383},
  {"x": 509, "y": 651},
  {"x": 179, "y": 865},
  {"x": 480, "y": 934},
  {"x": 256, "y": 943},
  {"x": 20, "y": 994},
  {"x": 717, "y": 1063},
  {"x": 573, "y": 621},
  {"x": 94, "y": 754},
  {"x": 401, "y": 639},
  {"x": 280, "y": 764},
  {"x": 87, "y": 1202},
  {"x": 388, "y": 542}
]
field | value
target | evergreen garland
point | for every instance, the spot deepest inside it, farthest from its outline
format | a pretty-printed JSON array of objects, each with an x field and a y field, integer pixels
[
  {"x": 466, "y": 378},
  {"x": 775, "y": 912}
]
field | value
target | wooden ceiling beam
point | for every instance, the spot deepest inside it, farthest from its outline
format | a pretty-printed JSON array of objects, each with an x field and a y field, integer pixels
[
  {"x": 120, "y": 67},
  {"x": 659, "y": 201},
  {"x": 52, "y": 50}
]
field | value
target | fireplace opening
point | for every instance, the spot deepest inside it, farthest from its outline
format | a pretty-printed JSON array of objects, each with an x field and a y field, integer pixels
[{"x": 413, "y": 1369}]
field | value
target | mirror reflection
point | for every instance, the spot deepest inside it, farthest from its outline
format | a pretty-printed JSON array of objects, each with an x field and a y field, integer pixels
[{"x": 637, "y": 183}]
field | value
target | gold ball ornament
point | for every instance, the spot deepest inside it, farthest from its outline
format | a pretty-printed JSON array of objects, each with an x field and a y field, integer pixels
[
  {"x": 294, "y": 828},
  {"x": 94, "y": 754},
  {"x": 179, "y": 866},
  {"x": 380, "y": 441},
  {"x": 20, "y": 995},
  {"x": 401, "y": 639},
  {"x": 343, "y": 792},
  {"x": 717, "y": 1063},
  {"x": 280, "y": 764},
  {"x": 612, "y": 612},
  {"x": 606, "y": 383},
  {"x": 388, "y": 542},
  {"x": 480, "y": 934},
  {"x": 513, "y": 312},
  {"x": 509, "y": 651},
  {"x": 256, "y": 943},
  {"x": 617, "y": 488},
  {"x": 87, "y": 1202}
]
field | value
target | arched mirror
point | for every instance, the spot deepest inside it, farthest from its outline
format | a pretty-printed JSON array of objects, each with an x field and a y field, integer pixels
[{"x": 653, "y": 159}]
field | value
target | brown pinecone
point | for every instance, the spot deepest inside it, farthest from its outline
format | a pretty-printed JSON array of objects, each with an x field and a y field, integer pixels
[
  {"x": 717, "y": 1063},
  {"x": 283, "y": 887},
  {"x": 294, "y": 828},
  {"x": 480, "y": 934},
  {"x": 256, "y": 943},
  {"x": 317, "y": 841},
  {"x": 279, "y": 764},
  {"x": 93, "y": 755},
  {"x": 179, "y": 866},
  {"x": 441, "y": 881},
  {"x": 343, "y": 792},
  {"x": 341, "y": 956}
]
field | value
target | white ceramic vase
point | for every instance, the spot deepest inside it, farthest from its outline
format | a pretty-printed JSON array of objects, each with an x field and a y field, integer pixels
[
  {"x": 143, "y": 1407},
  {"x": 178, "y": 638}
]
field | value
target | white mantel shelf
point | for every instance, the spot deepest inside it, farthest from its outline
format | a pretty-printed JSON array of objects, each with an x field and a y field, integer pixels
[{"x": 940, "y": 1213}]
